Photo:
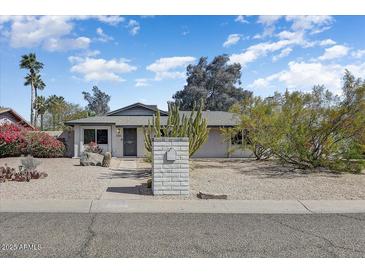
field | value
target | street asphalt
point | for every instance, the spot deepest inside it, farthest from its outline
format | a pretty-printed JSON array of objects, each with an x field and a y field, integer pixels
[{"x": 181, "y": 235}]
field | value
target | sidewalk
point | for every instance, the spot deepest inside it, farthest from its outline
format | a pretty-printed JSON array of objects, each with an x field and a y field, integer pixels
[{"x": 185, "y": 206}]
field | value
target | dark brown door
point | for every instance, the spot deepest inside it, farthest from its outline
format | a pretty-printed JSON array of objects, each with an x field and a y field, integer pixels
[{"x": 130, "y": 141}]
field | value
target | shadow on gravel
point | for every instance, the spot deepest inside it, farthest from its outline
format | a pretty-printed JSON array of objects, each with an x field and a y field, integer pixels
[
  {"x": 127, "y": 173},
  {"x": 263, "y": 169},
  {"x": 138, "y": 189}
]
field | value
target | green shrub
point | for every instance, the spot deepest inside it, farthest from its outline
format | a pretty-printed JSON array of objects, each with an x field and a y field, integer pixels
[{"x": 310, "y": 130}]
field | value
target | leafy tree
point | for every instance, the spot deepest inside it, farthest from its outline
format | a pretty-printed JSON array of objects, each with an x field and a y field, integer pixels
[
  {"x": 257, "y": 117},
  {"x": 41, "y": 106},
  {"x": 215, "y": 84},
  {"x": 193, "y": 126},
  {"x": 310, "y": 130},
  {"x": 56, "y": 105},
  {"x": 33, "y": 66},
  {"x": 98, "y": 101},
  {"x": 75, "y": 111}
]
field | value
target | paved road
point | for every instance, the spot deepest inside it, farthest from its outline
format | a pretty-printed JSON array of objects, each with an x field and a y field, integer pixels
[{"x": 181, "y": 235}]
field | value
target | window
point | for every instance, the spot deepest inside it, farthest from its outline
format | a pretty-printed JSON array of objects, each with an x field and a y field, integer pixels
[
  {"x": 102, "y": 136},
  {"x": 237, "y": 139},
  {"x": 89, "y": 136},
  {"x": 99, "y": 136},
  {"x": 240, "y": 138}
]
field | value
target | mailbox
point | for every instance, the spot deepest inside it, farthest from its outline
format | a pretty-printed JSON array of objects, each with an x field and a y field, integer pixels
[{"x": 171, "y": 154}]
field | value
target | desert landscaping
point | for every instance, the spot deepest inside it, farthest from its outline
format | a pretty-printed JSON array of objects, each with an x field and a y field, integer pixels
[{"x": 238, "y": 179}]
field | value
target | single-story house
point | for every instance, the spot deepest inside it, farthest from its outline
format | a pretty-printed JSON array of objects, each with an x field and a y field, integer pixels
[
  {"x": 8, "y": 115},
  {"x": 121, "y": 132}
]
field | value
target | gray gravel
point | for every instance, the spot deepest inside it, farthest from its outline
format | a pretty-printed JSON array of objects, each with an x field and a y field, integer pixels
[
  {"x": 239, "y": 179},
  {"x": 66, "y": 180},
  {"x": 268, "y": 180}
]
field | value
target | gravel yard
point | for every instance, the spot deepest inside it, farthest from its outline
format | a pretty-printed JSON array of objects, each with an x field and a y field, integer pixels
[
  {"x": 66, "y": 180},
  {"x": 239, "y": 179},
  {"x": 267, "y": 180}
]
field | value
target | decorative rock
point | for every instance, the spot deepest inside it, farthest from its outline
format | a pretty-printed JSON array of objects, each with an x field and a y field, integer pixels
[
  {"x": 207, "y": 196},
  {"x": 106, "y": 160},
  {"x": 91, "y": 159}
]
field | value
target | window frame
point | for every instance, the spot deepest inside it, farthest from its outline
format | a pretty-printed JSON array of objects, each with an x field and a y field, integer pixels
[
  {"x": 106, "y": 139},
  {"x": 90, "y": 130},
  {"x": 237, "y": 139},
  {"x": 96, "y": 139}
]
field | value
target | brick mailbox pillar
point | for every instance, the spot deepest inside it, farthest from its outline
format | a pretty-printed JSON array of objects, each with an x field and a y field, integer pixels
[{"x": 170, "y": 166}]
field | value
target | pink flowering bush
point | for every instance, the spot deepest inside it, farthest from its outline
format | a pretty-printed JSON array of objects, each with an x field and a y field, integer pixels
[
  {"x": 16, "y": 140},
  {"x": 93, "y": 147},
  {"x": 12, "y": 140},
  {"x": 42, "y": 145}
]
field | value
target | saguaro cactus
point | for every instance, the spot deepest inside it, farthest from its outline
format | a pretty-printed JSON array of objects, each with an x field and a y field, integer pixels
[{"x": 194, "y": 127}]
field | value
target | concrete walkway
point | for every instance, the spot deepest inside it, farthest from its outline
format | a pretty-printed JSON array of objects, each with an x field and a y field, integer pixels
[
  {"x": 126, "y": 181},
  {"x": 185, "y": 206}
]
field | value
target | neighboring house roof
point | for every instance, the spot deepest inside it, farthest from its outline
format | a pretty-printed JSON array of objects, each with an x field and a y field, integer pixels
[
  {"x": 214, "y": 119},
  {"x": 54, "y": 133},
  {"x": 19, "y": 119}
]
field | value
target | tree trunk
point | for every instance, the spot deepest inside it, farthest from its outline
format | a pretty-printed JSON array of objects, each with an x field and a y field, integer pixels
[
  {"x": 35, "y": 109},
  {"x": 41, "y": 121},
  {"x": 32, "y": 95}
]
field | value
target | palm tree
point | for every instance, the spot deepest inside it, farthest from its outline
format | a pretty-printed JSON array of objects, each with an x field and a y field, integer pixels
[
  {"x": 56, "y": 105},
  {"x": 41, "y": 107},
  {"x": 31, "y": 63},
  {"x": 38, "y": 85}
]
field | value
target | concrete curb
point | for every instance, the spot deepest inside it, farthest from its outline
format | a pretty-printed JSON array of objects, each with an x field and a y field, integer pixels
[
  {"x": 185, "y": 206},
  {"x": 77, "y": 206}
]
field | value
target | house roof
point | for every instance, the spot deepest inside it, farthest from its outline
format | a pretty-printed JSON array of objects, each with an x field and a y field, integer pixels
[
  {"x": 20, "y": 119},
  {"x": 214, "y": 119},
  {"x": 137, "y": 105}
]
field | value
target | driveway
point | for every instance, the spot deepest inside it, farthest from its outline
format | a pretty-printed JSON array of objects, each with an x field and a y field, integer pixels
[{"x": 183, "y": 235}]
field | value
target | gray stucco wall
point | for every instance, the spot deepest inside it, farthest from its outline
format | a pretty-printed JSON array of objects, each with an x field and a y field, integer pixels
[{"x": 214, "y": 147}]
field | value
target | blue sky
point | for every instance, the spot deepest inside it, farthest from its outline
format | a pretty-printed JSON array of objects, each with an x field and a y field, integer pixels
[{"x": 136, "y": 58}]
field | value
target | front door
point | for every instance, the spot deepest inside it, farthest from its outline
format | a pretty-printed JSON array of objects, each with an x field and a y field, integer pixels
[{"x": 130, "y": 141}]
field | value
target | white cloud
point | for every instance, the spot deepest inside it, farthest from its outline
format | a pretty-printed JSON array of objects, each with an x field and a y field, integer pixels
[
  {"x": 327, "y": 42},
  {"x": 268, "y": 21},
  {"x": 241, "y": 19},
  {"x": 303, "y": 76},
  {"x": 112, "y": 20},
  {"x": 102, "y": 36},
  {"x": 133, "y": 27},
  {"x": 170, "y": 67},
  {"x": 231, "y": 40},
  {"x": 93, "y": 69},
  {"x": 142, "y": 82},
  {"x": 334, "y": 52},
  {"x": 359, "y": 53},
  {"x": 49, "y": 32},
  {"x": 309, "y": 22},
  {"x": 54, "y": 44},
  {"x": 283, "y": 53},
  {"x": 262, "y": 49}
]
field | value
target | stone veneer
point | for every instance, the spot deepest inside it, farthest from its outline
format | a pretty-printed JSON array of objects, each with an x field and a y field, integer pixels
[{"x": 170, "y": 177}]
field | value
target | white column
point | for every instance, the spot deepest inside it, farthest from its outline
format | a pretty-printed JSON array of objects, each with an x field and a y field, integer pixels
[{"x": 76, "y": 141}]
